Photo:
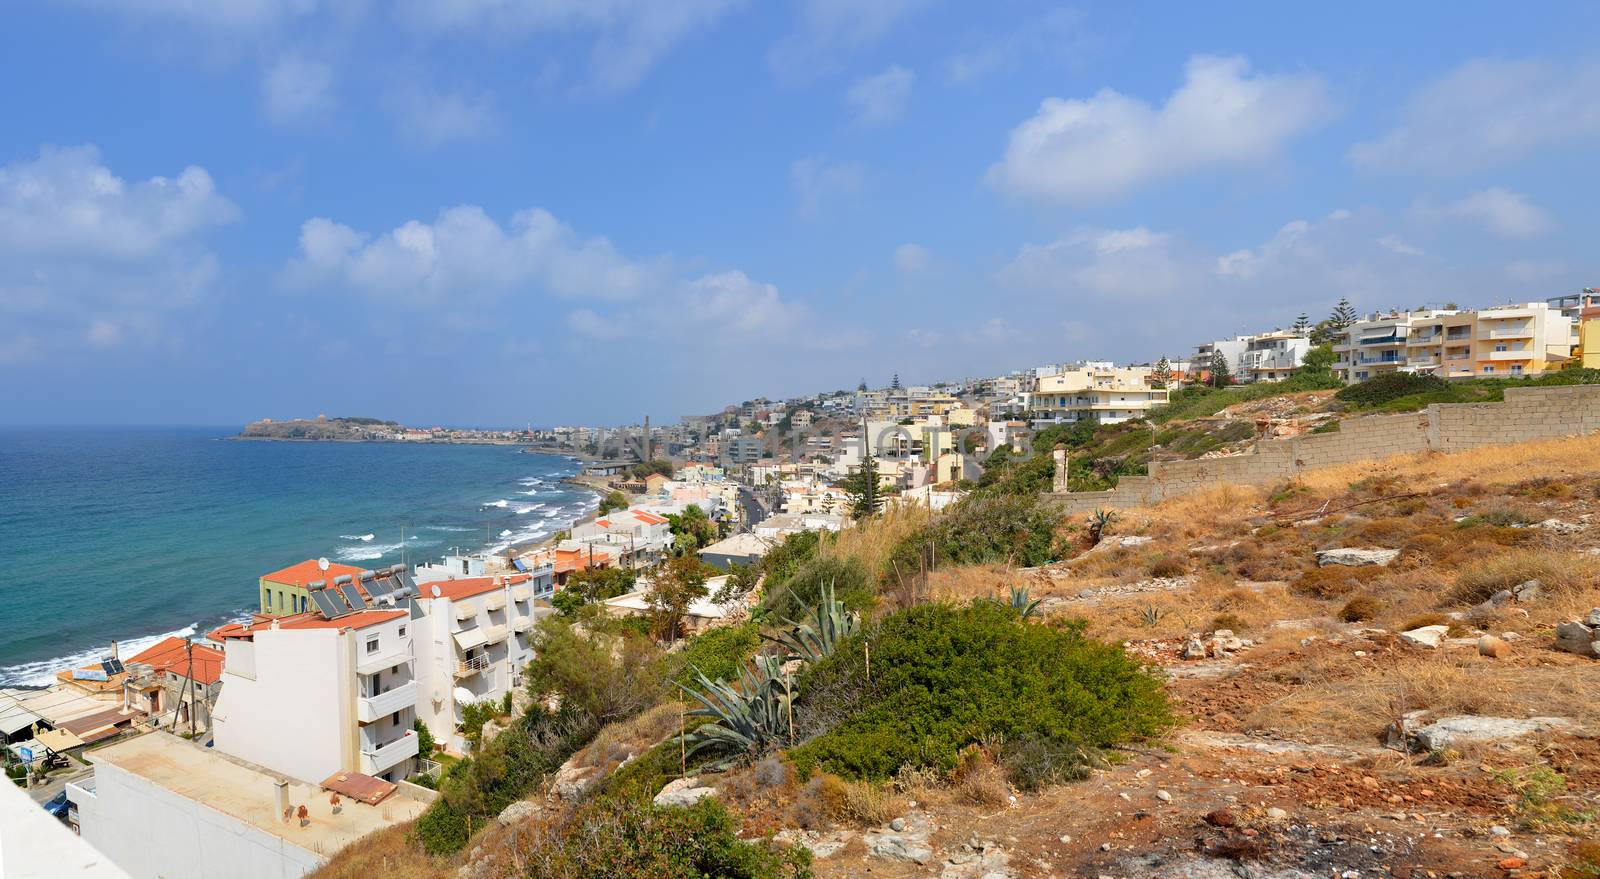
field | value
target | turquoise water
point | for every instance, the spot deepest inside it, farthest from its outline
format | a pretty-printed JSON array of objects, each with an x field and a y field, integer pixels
[{"x": 131, "y": 534}]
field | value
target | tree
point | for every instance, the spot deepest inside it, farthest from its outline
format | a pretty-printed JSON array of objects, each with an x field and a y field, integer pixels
[
  {"x": 862, "y": 487},
  {"x": 615, "y": 500},
  {"x": 1302, "y": 325},
  {"x": 591, "y": 585},
  {"x": 894, "y": 385},
  {"x": 1163, "y": 373},
  {"x": 1221, "y": 375},
  {"x": 1318, "y": 361},
  {"x": 675, "y": 585},
  {"x": 1343, "y": 315},
  {"x": 692, "y": 530}
]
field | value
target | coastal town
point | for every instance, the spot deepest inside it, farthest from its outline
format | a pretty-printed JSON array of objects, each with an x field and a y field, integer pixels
[{"x": 349, "y": 695}]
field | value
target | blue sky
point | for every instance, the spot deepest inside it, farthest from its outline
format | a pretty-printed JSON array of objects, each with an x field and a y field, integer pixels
[{"x": 549, "y": 211}]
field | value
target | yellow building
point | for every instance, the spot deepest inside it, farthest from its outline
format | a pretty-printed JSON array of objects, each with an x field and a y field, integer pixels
[
  {"x": 1587, "y": 354},
  {"x": 1096, "y": 392}
]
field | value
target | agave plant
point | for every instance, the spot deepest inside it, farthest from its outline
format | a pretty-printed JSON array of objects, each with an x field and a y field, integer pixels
[
  {"x": 749, "y": 719},
  {"x": 1100, "y": 522},
  {"x": 1020, "y": 603},
  {"x": 817, "y": 637}
]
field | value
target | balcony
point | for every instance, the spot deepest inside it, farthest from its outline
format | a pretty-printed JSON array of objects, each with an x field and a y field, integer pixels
[
  {"x": 1509, "y": 333},
  {"x": 369, "y": 709},
  {"x": 376, "y": 664},
  {"x": 1521, "y": 354},
  {"x": 375, "y": 760},
  {"x": 466, "y": 668}
]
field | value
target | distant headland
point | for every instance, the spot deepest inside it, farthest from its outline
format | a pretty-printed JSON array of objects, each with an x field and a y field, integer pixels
[{"x": 373, "y": 430}]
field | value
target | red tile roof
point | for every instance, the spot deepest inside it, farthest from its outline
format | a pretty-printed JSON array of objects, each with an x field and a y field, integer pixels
[
  {"x": 457, "y": 590},
  {"x": 648, "y": 518},
  {"x": 357, "y": 620},
  {"x": 170, "y": 655},
  {"x": 308, "y": 571}
]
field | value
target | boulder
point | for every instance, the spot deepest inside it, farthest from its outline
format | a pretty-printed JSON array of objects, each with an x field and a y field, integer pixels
[
  {"x": 1493, "y": 647},
  {"x": 1224, "y": 641},
  {"x": 894, "y": 847},
  {"x": 683, "y": 792},
  {"x": 1356, "y": 558},
  {"x": 1468, "y": 729},
  {"x": 1574, "y": 636},
  {"x": 518, "y": 812},
  {"x": 1193, "y": 649},
  {"x": 570, "y": 782},
  {"x": 1528, "y": 590},
  {"x": 1427, "y": 637},
  {"x": 1594, "y": 618},
  {"x": 1560, "y": 527}
]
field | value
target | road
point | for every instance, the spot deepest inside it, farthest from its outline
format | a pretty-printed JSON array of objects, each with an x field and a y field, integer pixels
[
  {"x": 44, "y": 793},
  {"x": 753, "y": 506}
]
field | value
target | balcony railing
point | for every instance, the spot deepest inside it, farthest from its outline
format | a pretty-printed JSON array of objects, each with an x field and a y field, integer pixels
[
  {"x": 468, "y": 667},
  {"x": 371, "y": 708},
  {"x": 375, "y": 759},
  {"x": 1509, "y": 333}
]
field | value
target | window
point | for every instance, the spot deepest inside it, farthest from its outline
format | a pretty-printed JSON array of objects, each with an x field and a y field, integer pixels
[
  {"x": 1488, "y": 369},
  {"x": 372, "y": 644},
  {"x": 402, "y": 631},
  {"x": 1516, "y": 369},
  {"x": 394, "y": 719}
]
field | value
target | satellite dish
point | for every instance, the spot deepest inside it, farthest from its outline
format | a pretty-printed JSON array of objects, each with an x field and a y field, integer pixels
[
  {"x": 322, "y": 564},
  {"x": 436, "y": 592}
]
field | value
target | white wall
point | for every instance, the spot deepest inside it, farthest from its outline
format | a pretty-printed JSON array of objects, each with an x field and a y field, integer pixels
[
  {"x": 153, "y": 833},
  {"x": 296, "y": 715}
]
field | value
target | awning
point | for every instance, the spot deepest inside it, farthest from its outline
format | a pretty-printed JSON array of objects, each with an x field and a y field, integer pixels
[
  {"x": 470, "y": 638},
  {"x": 17, "y": 719},
  {"x": 59, "y": 740}
]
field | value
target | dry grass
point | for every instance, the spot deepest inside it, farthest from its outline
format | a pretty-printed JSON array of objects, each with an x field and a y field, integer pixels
[
  {"x": 1557, "y": 459},
  {"x": 980, "y": 780},
  {"x": 1208, "y": 599},
  {"x": 617, "y": 741},
  {"x": 1335, "y": 701},
  {"x": 873, "y": 544},
  {"x": 965, "y": 583},
  {"x": 1558, "y": 573},
  {"x": 386, "y": 853},
  {"x": 859, "y": 803}
]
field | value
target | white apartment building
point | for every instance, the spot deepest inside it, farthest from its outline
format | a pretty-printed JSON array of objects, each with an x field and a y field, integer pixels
[
  {"x": 1506, "y": 340},
  {"x": 639, "y": 538},
  {"x": 311, "y": 696},
  {"x": 1095, "y": 392},
  {"x": 472, "y": 640},
  {"x": 1259, "y": 357}
]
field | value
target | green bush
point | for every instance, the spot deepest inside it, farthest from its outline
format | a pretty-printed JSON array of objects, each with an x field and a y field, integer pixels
[
  {"x": 1390, "y": 386},
  {"x": 978, "y": 529},
  {"x": 718, "y": 652},
  {"x": 626, "y": 836},
  {"x": 786, "y": 558},
  {"x": 945, "y": 677},
  {"x": 851, "y": 582}
]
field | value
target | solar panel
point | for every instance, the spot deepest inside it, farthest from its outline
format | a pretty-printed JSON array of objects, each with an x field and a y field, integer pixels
[
  {"x": 408, "y": 586},
  {"x": 328, "y": 604},
  {"x": 112, "y": 666},
  {"x": 352, "y": 596},
  {"x": 379, "y": 587}
]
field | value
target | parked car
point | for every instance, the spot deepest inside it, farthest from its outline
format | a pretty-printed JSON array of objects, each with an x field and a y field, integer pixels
[{"x": 58, "y": 806}]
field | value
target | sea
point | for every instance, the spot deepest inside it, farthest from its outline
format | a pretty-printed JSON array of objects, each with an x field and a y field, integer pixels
[{"x": 134, "y": 534}]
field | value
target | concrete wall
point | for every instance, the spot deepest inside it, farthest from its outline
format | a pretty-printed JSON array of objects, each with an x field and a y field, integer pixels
[
  {"x": 1526, "y": 414},
  {"x": 153, "y": 833},
  {"x": 296, "y": 715}
]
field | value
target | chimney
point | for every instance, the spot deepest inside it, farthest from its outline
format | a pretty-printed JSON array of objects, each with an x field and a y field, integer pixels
[{"x": 281, "y": 793}]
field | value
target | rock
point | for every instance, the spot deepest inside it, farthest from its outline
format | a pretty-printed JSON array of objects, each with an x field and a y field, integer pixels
[
  {"x": 1560, "y": 527},
  {"x": 1356, "y": 558},
  {"x": 1575, "y": 637},
  {"x": 1594, "y": 618},
  {"x": 1224, "y": 642},
  {"x": 1427, "y": 637},
  {"x": 1163, "y": 796},
  {"x": 683, "y": 792},
  {"x": 518, "y": 812},
  {"x": 1498, "y": 830},
  {"x": 892, "y": 847},
  {"x": 1220, "y": 818},
  {"x": 1493, "y": 647},
  {"x": 1276, "y": 814},
  {"x": 1467, "y": 728},
  {"x": 1193, "y": 649},
  {"x": 571, "y": 782},
  {"x": 1528, "y": 590},
  {"x": 1512, "y": 863},
  {"x": 897, "y": 825}
]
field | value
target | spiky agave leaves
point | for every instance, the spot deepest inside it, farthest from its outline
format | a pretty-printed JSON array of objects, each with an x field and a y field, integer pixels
[
  {"x": 1020, "y": 603},
  {"x": 816, "y": 638},
  {"x": 749, "y": 719}
]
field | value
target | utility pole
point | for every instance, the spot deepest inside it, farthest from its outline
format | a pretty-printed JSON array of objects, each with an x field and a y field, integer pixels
[{"x": 188, "y": 649}]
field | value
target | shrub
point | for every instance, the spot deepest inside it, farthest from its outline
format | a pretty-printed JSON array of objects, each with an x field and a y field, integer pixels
[
  {"x": 979, "y": 529},
  {"x": 1168, "y": 566},
  {"x": 1505, "y": 516},
  {"x": 1424, "y": 620},
  {"x": 1391, "y": 386},
  {"x": 861, "y": 803},
  {"x": 850, "y": 580},
  {"x": 944, "y": 677},
  {"x": 625, "y": 836},
  {"x": 1033, "y": 764},
  {"x": 1333, "y": 581},
  {"x": 1230, "y": 621},
  {"x": 1557, "y": 572},
  {"x": 1360, "y": 609},
  {"x": 979, "y": 779},
  {"x": 719, "y": 652},
  {"x": 603, "y": 676}
]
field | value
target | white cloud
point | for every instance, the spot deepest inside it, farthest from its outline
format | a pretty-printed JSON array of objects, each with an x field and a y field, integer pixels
[
  {"x": 431, "y": 118},
  {"x": 630, "y": 36},
  {"x": 295, "y": 89},
  {"x": 1058, "y": 33},
  {"x": 924, "y": 338},
  {"x": 1081, "y": 150},
  {"x": 874, "y": 100},
  {"x": 589, "y": 324},
  {"x": 1113, "y": 263},
  {"x": 1396, "y": 244},
  {"x": 994, "y": 331},
  {"x": 87, "y": 257},
  {"x": 1503, "y": 212},
  {"x": 832, "y": 27},
  {"x": 1489, "y": 111},
  {"x": 912, "y": 258},
  {"x": 465, "y": 253},
  {"x": 818, "y": 181}
]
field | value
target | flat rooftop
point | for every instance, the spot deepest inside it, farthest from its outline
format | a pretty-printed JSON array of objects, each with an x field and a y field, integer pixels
[{"x": 247, "y": 792}]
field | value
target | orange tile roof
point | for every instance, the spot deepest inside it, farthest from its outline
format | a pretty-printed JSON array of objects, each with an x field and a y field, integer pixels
[
  {"x": 307, "y": 572},
  {"x": 648, "y": 518},
  {"x": 357, "y": 620},
  {"x": 169, "y": 655},
  {"x": 458, "y": 590}
]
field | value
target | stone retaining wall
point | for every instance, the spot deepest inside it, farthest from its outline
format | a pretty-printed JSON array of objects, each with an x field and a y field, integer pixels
[{"x": 1526, "y": 414}]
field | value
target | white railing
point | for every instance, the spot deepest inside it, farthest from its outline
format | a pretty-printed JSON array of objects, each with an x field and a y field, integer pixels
[
  {"x": 469, "y": 667},
  {"x": 371, "y": 708},
  {"x": 376, "y": 759}
]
